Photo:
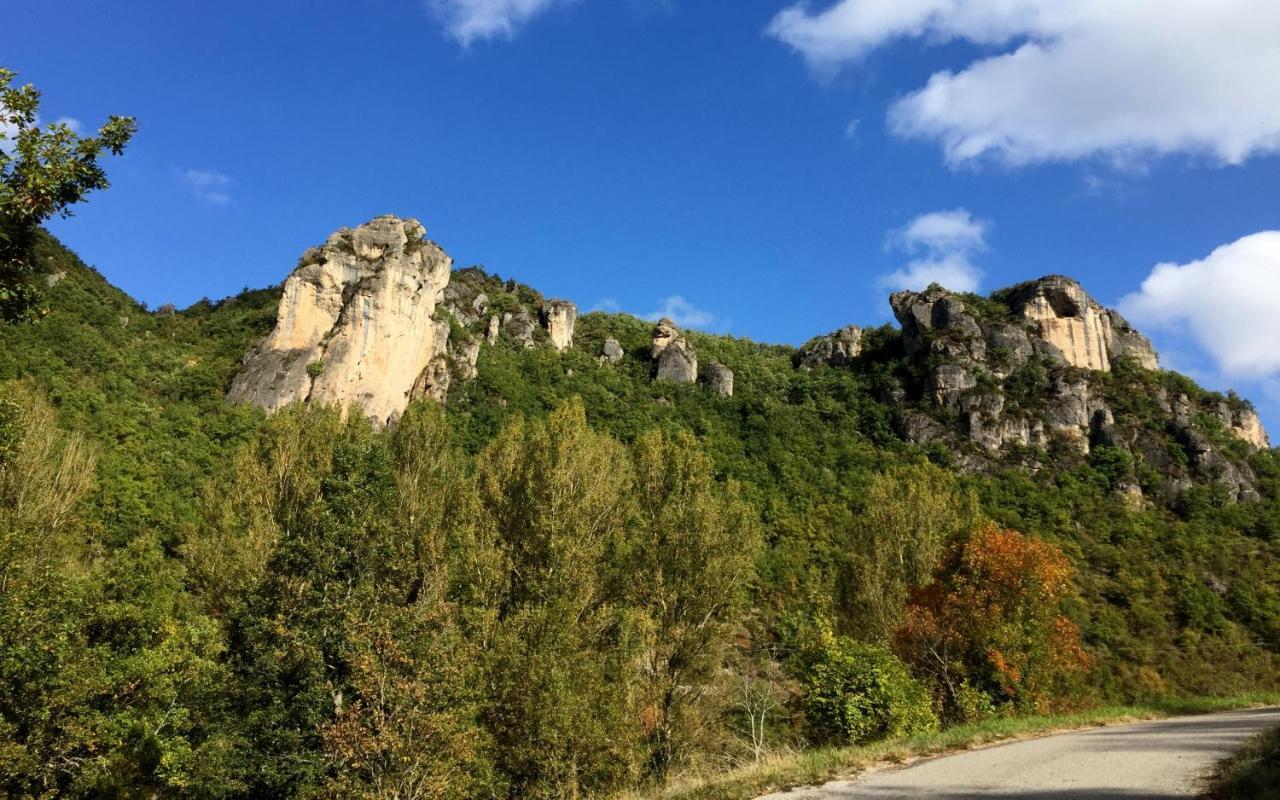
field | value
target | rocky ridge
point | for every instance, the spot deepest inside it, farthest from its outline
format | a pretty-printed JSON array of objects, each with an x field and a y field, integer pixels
[
  {"x": 1027, "y": 368},
  {"x": 375, "y": 317}
]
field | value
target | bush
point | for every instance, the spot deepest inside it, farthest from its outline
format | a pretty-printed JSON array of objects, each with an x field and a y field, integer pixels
[{"x": 858, "y": 693}]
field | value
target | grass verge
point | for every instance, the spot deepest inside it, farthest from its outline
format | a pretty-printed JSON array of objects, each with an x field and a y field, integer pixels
[
  {"x": 1251, "y": 774},
  {"x": 808, "y": 767}
]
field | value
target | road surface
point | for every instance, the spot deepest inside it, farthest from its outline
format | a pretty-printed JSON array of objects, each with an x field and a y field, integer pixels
[{"x": 1156, "y": 760}]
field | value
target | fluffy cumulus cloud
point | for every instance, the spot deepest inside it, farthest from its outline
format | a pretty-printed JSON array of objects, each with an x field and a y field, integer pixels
[
  {"x": 942, "y": 244},
  {"x": 209, "y": 185},
  {"x": 1070, "y": 79},
  {"x": 469, "y": 21},
  {"x": 684, "y": 314},
  {"x": 1227, "y": 302}
]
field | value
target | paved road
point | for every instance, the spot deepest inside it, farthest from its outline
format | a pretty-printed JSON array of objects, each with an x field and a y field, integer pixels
[{"x": 1146, "y": 761}]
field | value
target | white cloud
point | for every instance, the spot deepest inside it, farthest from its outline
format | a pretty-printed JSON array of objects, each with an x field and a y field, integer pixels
[
  {"x": 468, "y": 21},
  {"x": 8, "y": 137},
  {"x": 1071, "y": 79},
  {"x": 1228, "y": 302},
  {"x": 943, "y": 243},
  {"x": 684, "y": 314},
  {"x": 209, "y": 185}
]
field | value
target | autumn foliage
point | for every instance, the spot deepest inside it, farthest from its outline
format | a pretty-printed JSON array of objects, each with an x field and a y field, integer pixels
[{"x": 989, "y": 628}]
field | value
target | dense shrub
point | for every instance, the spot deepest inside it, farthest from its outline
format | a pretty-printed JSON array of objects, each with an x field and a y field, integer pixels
[{"x": 858, "y": 693}]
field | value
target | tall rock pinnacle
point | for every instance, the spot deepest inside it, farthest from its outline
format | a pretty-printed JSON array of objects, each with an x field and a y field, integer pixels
[{"x": 354, "y": 325}]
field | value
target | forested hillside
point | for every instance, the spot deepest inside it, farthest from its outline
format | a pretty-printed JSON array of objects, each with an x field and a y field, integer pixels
[{"x": 570, "y": 578}]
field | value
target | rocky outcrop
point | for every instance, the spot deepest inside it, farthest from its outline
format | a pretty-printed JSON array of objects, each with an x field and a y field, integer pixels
[
  {"x": 1073, "y": 326},
  {"x": 676, "y": 359},
  {"x": 1052, "y": 317},
  {"x": 677, "y": 362},
  {"x": 1243, "y": 423},
  {"x": 611, "y": 351},
  {"x": 836, "y": 349},
  {"x": 664, "y": 333},
  {"x": 518, "y": 325},
  {"x": 355, "y": 323},
  {"x": 1025, "y": 367},
  {"x": 718, "y": 378},
  {"x": 559, "y": 317}
]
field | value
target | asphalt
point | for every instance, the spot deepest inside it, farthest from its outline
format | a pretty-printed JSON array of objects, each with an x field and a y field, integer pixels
[{"x": 1156, "y": 760}]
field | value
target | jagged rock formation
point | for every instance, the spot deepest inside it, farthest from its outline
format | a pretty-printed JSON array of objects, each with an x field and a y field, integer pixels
[
  {"x": 664, "y": 333},
  {"x": 355, "y": 323},
  {"x": 1051, "y": 317},
  {"x": 558, "y": 317},
  {"x": 676, "y": 359},
  {"x": 835, "y": 349},
  {"x": 611, "y": 352},
  {"x": 1074, "y": 325},
  {"x": 1022, "y": 369},
  {"x": 1244, "y": 424},
  {"x": 718, "y": 378}
]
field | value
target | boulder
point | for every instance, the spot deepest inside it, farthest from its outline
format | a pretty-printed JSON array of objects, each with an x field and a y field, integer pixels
[
  {"x": 611, "y": 352},
  {"x": 677, "y": 362},
  {"x": 718, "y": 378}
]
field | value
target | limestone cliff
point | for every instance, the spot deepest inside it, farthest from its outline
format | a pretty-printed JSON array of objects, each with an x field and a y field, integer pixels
[
  {"x": 1027, "y": 368},
  {"x": 376, "y": 318},
  {"x": 355, "y": 323}
]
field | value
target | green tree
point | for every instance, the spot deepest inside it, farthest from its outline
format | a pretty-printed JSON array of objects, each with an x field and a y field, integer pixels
[
  {"x": 44, "y": 170},
  {"x": 908, "y": 515},
  {"x": 556, "y": 495},
  {"x": 44, "y": 475},
  {"x": 692, "y": 563}
]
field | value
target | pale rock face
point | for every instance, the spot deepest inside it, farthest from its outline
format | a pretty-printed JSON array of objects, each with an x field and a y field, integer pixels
[
  {"x": 1073, "y": 324},
  {"x": 718, "y": 378},
  {"x": 559, "y": 317},
  {"x": 836, "y": 349},
  {"x": 354, "y": 325},
  {"x": 491, "y": 335},
  {"x": 1245, "y": 425},
  {"x": 1069, "y": 321},
  {"x": 611, "y": 352},
  {"x": 664, "y": 333},
  {"x": 519, "y": 326},
  {"x": 468, "y": 354},
  {"x": 946, "y": 384},
  {"x": 677, "y": 362}
]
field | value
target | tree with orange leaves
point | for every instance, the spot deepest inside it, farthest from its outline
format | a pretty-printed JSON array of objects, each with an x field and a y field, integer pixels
[{"x": 989, "y": 628}]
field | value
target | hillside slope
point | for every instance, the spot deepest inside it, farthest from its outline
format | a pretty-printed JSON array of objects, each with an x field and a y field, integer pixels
[{"x": 1163, "y": 495}]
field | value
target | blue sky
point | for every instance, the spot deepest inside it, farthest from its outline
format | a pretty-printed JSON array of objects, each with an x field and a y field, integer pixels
[{"x": 761, "y": 168}]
